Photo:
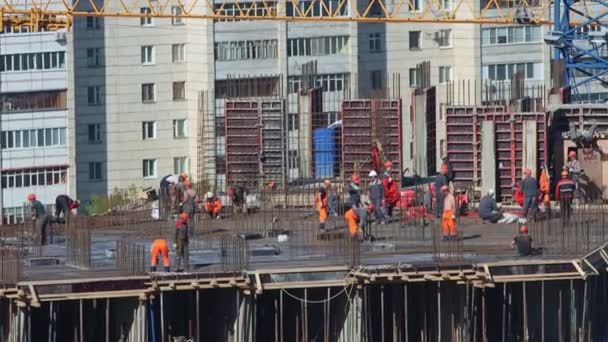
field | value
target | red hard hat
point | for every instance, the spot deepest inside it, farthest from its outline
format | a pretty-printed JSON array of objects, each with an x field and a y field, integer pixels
[
  {"x": 572, "y": 154},
  {"x": 527, "y": 172},
  {"x": 355, "y": 178},
  {"x": 443, "y": 168},
  {"x": 371, "y": 207},
  {"x": 523, "y": 229},
  {"x": 183, "y": 217},
  {"x": 31, "y": 197},
  {"x": 388, "y": 164},
  {"x": 188, "y": 183}
]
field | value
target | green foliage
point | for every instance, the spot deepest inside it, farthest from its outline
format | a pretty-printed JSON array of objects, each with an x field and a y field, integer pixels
[{"x": 118, "y": 199}]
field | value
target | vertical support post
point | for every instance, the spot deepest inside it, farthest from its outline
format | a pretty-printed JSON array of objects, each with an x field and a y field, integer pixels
[
  {"x": 162, "y": 316},
  {"x": 382, "y": 326},
  {"x": 488, "y": 157},
  {"x": 525, "y": 308},
  {"x": 281, "y": 315},
  {"x": 81, "y": 320},
  {"x": 198, "y": 315},
  {"x": 530, "y": 146},
  {"x": 107, "y": 319},
  {"x": 542, "y": 311},
  {"x": 405, "y": 318},
  {"x": 438, "y": 311}
]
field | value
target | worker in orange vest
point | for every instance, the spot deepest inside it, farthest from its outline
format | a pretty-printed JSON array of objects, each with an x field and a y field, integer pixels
[
  {"x": 544, "y": 185},
  {"x": 159, "y": 248},
  {"x": 449, "y": 214},
  {"x": 356, "y": 219},
  {"x": 321, "y": 203},
  {"x": 213, "y": 206}
]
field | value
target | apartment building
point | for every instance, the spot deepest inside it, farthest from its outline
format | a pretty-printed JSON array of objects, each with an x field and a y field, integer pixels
[{"x": 33, "y": 119}]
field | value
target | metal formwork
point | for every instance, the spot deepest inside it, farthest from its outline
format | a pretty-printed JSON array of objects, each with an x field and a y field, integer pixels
[
  {"x": 255, "y": 141},
  {"x": 364, "y": 124}
]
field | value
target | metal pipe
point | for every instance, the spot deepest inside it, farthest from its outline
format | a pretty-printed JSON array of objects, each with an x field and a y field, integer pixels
[
  {"x": 198, "y": 316},
  {"x": 162, "y": 316},
  {"x": 405, "y": 318},
  {"x": 81, "y": 321},
  {"x": 525, "y": 308},
  {"x": 108, "y": 320},
  {"x": 382, "y": 327}
]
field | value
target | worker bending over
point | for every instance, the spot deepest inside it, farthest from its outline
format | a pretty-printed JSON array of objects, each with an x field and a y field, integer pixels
[
  {"x": 376, "y": 195},
  {"x": 322, "y": 203},
  {"x": 180, "y": 243},
  {"x": 488, "y": 209},
  {"x": 564, "y": 193},
  {"x": 529, "y": 188},
  {"x": 41, "y": 217},
  {"x": 449, "y": 214},
  {"x": 213, "y": 206},
  {"x": 159, "y": 248},
  {"x": 523, "y": 242},
  {"x": 391, "y": 195},
  {"x": 63, "y": 204},
  {"x": 356, "y": 218},
  {"x": 440, "y": 181}
]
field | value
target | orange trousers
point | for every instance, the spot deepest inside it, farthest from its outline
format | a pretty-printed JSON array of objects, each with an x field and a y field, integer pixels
[
  {"x": 213, "y": 207},
  {"x": 352, "y": 222},
  {"x": 448, "y": 225},
  {"x": 159, "y": 246},
  {"x": 322, "y": 215}
]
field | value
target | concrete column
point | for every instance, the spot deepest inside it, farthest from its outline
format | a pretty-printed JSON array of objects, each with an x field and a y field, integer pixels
[
  {"x": 305, "y": 135},
  {"x": 420, "y": 136},
  {"x": 488, "y": 157},
  {"x": 351, "y": 329},
  {"x": 530, "y": 146}
]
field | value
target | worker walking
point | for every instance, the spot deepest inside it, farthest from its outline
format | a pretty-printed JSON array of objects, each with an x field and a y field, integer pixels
[
  {"x": 213, "y": 206},
  {"x": 564, "y": 193},
  {"x": 159, "y": 248},
  {"x": 354, "y": 192},
  {"x": 40, "y": 216},
  {"x": 391, "y": 195},
  {"x": 523, "y": 242},
  {"x": 322, "y": 205},
  {"x": 440, "y": 181},
  {"x": 180, "y": 243},
  {"x": 64, "y": 204},
  {"x": 449, "y": 214},
  {"x": 529, "y": 188},
  {"x": 376, "y": 195}
]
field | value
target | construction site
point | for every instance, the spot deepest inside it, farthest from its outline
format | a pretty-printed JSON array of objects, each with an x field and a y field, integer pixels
[{"x": 278, "y": 262}]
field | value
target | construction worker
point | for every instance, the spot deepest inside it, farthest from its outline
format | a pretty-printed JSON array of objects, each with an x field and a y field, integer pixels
[
  {"x": 63, "y": 204},
  {"x": 159, "y": 248},
  {"x": 321, "y": 203},
  {"x": 391, "y": 195},
  {"x": 564, "y": 193},
  {"x": 189, "y": 199},
  {"x": 356, "y": 219},
  {"x": 238, "y": 197},
  {"x": 41, "y": 217},
  {"x": 376, "y": 195},
  {"x": 449, "y": 214},
  {"x": 388, "y": 166},
  {"x": 573, "y": 166},
  {"x": 180, "y": 243},
  {"x": 529, "y": 188},
  {"x": 441, "y": 180},
  {"x": 544, "y": 185},
  {"x": 354, "y": 191},
  {"x": 488, "y": 209},
  {"x": 523, "y": 242},
  {"x": 213, "y": 206},
  {"x": 167, "y": 194}
]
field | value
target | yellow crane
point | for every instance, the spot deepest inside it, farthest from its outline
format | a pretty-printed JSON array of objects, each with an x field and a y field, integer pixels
[{"x": 59, "y": 14}]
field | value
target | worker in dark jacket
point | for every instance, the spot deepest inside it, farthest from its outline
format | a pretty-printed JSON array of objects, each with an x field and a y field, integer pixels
[
  {"x": 564, "y": 193},
  {"x": 354, "y": 192},
  {"x": 238, "y": 197},
  {"x": 440, "y": 181},
  {"x": 181, "y": 241},
  {"x": 529, "y": 187},
  {"x": 376, "y": 195},
  {"x": 488, "y": 209},
  {"x": 523, "y": 242},
  {"x": 41, "y": 217},
  {"x": 63, "y": 204}
]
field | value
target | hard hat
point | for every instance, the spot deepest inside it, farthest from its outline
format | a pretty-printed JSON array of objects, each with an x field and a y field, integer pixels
[
  {"x": 188, "y": 183},
  {"x": 388, "y": 164},
  {"x": 208, "y": 195},
  {"x": 373, "y": 173},
  {"x": 491, "y": 192},
  {"x": 572, "y": 154},
  {"x": 445, "y": 188},
  {"x": 371, "y": 207},
  {"x": 564, "y": 173},
  {"x": 355, "y": 178},
  {"x": 523, "y": 229},
  {"x": 31, "y": 197},
  {"x": 443, "y": 168},
  {"x": 183, "y": 175},
  {"x": 183, "y": 217},
  {"x": 527, "y": 172}
]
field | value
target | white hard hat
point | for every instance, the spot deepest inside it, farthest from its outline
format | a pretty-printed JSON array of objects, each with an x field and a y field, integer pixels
[
  {"x": 491, "y": 192},
  {"x": 373, "y": 173},
  {"x": 209, "y": 195}
]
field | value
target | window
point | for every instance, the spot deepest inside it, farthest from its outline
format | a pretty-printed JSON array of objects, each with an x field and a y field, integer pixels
[
  {"x": 95, "y": 171},
  {"x": 445, "y": 74},
  {"x": 94, "y": 133},
  {"x": 503, "y": 72},
  {"x": 413, "y": 77},
  {"x": 332, "y": 82},
  {"x": 293, "y": 161},
  {"x": 94, "y": 95},
  {"x": 148, "y": 130},
  {"x": 447, "y": 5},
  {"x": 147, "y": 55},
  {"x": 318, "y": 46},
  {"x": 416, "y": 5},
  {"x": 147, "y": 92},
  {"x": 146, "y": 21},
  {"x": 246, "y": 49},
  {"x": 93, "y": 57},
  {"x": 292, "y": 122},
  {"x": 376, "y": 78},
  {"x": 32, "y": 61},
  {"x": 178, "y": 53},
  {"x": 93, "y": 23},
  {"x": 444, "y": 38},
  {"x": 179, "y": 91},
  {"x": 149, "y": 168},
  {"x": 415, "y": 40},
  {"x": 23, "y": 178},
  {"x": 510, "y": 35},
  {"x": 35, "y": 101},
  {"x": 179, "y": 128},
  {"x": 180, "y": 165},
  {"x": 176, "y": 10},
  {"x": 308, "y": 8},
  {"x": 375, "y": 45},
  {"x": 12, "y": 215}
]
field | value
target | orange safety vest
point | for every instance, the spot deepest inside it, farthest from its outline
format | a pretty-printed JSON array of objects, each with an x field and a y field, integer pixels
[{"x": 352, "y": 220}]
